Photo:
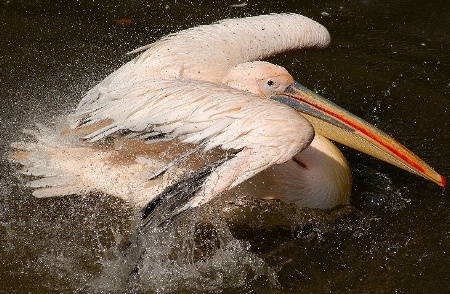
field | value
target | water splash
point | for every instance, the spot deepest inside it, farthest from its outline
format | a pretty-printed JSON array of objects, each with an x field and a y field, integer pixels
[{"x": 190, "y": 255}]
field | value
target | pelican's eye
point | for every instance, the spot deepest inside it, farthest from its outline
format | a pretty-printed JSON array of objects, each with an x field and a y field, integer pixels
[{"x": 271, "y": 85}]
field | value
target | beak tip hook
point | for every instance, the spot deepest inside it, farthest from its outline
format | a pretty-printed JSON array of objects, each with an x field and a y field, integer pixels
[{"x": 443, "y": 182}]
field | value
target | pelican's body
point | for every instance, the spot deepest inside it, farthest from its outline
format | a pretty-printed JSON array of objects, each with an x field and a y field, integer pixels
[{"x": 202, "y": 91}]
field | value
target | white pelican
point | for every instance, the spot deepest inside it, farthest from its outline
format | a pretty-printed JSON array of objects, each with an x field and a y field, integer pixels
[{"x": 199, "y": 94}]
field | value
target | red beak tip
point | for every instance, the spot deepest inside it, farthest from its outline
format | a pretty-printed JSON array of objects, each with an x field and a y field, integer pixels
[{"x": 443, "y": 182}]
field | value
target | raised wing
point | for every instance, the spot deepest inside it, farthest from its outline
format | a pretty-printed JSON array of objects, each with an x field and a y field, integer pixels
[{"x": 207, "y": 52}]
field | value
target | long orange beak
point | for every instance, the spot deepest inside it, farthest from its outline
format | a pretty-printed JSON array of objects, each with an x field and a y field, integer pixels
[{"x": 339, "y": 125}]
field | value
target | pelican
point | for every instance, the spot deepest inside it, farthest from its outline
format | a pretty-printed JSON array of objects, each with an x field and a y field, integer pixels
[{"x": 202, "y": 103}]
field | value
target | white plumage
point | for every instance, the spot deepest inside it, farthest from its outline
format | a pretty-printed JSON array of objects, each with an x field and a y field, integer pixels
[
  {"x": 208, "y": 52},
  {"x": 209, "y": 114}
]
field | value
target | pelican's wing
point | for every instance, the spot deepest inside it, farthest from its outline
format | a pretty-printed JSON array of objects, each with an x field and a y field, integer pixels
[
  {"x": 207, "y": 52},
  {"x": 209, "y": 115}
]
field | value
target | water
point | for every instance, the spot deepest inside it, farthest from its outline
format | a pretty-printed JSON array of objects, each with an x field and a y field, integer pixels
[{"x": 388, "y": 63}]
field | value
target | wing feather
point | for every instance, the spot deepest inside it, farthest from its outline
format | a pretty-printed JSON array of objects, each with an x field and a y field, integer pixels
[
  {"x": 207, "y": 52},
  {"x": 213, "y": 115}
]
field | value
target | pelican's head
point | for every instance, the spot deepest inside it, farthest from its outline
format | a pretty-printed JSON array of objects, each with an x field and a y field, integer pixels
[
  {"x": 328, "y": 119},
  {"x": 259, "y": 77}
]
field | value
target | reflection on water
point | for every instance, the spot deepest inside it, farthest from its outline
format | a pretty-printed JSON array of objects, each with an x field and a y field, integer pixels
[{"x": 388, "y": 63}]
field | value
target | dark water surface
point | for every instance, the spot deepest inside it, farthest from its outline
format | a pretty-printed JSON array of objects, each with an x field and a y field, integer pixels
[{"x": 389, "y": 63}]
